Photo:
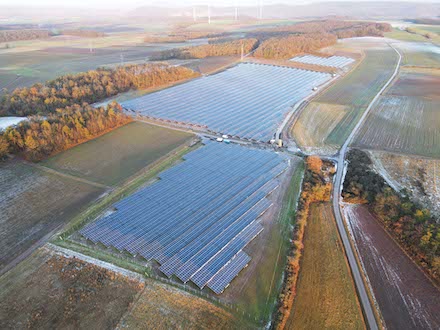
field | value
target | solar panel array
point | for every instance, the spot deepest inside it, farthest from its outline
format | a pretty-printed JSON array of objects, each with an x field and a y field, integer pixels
[
  {"x": 247, "y": 101},
  {"x": 332, "y": 61},
  {"x": 198, "y": 217}
]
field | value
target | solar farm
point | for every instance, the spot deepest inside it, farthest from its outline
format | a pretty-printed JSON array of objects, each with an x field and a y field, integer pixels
[
  {"x": 332, "y": 61},
  {"x": 248, "y": 101},
  {"x": 198, "y": 217}
]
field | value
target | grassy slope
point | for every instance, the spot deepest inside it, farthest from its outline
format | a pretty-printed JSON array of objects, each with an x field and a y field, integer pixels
[
  {"x": 259, "y": 295},
  {"x": 115, "y": 156},
  {"x": 326, "y": 296}
]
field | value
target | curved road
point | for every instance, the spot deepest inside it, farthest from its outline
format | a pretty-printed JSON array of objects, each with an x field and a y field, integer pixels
[{"x": 362, "y": 292}]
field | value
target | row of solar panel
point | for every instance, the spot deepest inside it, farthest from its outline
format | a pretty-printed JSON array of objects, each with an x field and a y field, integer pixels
[
  {"x": 199, "y": 215},
  {"x": 331, "y": 61},
  {"x": 249, "y": 100}
]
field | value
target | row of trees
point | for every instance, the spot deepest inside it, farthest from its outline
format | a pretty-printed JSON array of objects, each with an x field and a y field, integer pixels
[
  {"x": 233, "y": 47},
  {"x": 40, "y": 137},
  {"x": 413, "y": 226},
  {"x": 25, "y": 34},
  {"x": 316, "y": 188},
  {"x": 89, "y": 87}
]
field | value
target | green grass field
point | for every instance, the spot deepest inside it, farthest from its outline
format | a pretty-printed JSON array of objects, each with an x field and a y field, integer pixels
[
  {"x": 116, "y": 156},
  {"x": 326, "y": 297},
  {"x": 342, "y": 105},
  {"x": 259, "y": 294}
]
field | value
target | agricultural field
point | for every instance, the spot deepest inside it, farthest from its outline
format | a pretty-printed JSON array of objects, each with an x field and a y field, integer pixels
[
  {"x": 420, "y": 176},
  {"x": 34, "y": 203},
  {"x": 406, "y": 119},
  {"x": 49, "y": 290},
  {"x": 326, "y": 297},
  {"x": 38, "y": 61},
  {"x": 325, "y": 123},
  {"x": 116, "y": 156},
  {"x": 421, "y": 54},
  {"x": 406, "y": 297}
]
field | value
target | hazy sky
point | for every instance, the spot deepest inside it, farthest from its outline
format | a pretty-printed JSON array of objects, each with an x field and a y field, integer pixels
[{"x": 137, "y": 3}]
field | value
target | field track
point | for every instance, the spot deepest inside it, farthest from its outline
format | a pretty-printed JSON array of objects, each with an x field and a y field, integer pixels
[{"x": 339, "y": 179}]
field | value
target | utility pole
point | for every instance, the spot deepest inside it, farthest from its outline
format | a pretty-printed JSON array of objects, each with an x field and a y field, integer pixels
[
  {"x": 209, "y": 13},
  {"x": 122, "y": 59},
  {"x": 194, "y": 13},
  {"x": 242, "y": 51}
]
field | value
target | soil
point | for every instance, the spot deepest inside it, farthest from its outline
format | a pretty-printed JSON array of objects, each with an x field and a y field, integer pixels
[{"x": 406, "y": 297}]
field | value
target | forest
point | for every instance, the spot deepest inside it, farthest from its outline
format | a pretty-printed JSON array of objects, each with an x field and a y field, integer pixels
[
  {"x": 90, "y": 87},
  {"x": 228, "y": 48},
  {"x": 417, "y": 231},
  {"x": 40, "y": 137},
  {"x": 27, "y": 34},
  {"x": 287, "y": 47}
]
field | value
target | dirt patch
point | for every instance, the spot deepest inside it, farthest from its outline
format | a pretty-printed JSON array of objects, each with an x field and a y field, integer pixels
[
  {"x": 211, "y": 64},
  {"x": 420, "y": 176},
  {"x": 406, "y": 297}
]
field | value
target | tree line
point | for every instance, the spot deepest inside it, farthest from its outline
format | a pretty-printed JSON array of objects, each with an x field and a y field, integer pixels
[
  {"x": 228, "y": 48},
  {"x": 287, "y": 41},
  {"x": 25, "y": 34},
  {"x": 287, "y": 47},
  {"x": 417, "y": 231},
  {"x": 64, "y": 103},
  {"x": 316, "y": 187},
  {"x": 90, "y": 87},
  {"x": 40, "y": 137}
]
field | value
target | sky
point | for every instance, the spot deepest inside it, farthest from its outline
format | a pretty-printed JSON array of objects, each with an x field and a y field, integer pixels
[{"x": 138, "y": 3}]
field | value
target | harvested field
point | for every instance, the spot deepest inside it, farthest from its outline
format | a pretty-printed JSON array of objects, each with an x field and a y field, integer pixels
[
  {"x": 423, "y": 54},
  {"x": 324, "y": 118},
  {"x": 53, "y": 292},
  {"x": 326, "y": 297},
  {"x": 164, "y": 307},
  {"x": 402, "y": 124},
  {"x": 406, "y": 297},
  {"x": 34, "y": 203},
  {"x": 119, "y": 154},
  {"x": 420, "y": 176},
  {"x": 417, "y": 84},
  {"x": 48, "y": 290},
  {"x": 210, "y": 64}
]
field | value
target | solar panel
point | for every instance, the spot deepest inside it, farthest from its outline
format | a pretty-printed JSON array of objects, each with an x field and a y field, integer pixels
[
  {"x": 248, "y": 100},
  {"x": 199, "y": 215},
  {"x": 331, "y": 61}
]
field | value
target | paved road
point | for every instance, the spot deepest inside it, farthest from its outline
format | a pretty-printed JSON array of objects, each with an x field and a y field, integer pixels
[{"x": 362, "y": 292}]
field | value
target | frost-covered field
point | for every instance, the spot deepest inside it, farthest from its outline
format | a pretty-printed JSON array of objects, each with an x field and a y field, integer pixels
[
  {"x": 403, "y": 124},
  {"x": 406, "y": 297},
  {"x": 33, "y": 203}
]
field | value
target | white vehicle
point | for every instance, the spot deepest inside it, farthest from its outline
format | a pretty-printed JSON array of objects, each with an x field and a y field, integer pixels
[
  {"x": 315, "y": 88},
  {"x": 225, "y": 136},
  {"x": 219, "y": 139}
]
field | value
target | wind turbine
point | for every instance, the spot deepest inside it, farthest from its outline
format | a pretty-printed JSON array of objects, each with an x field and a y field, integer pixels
[{"x": 260, "y": 14}]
